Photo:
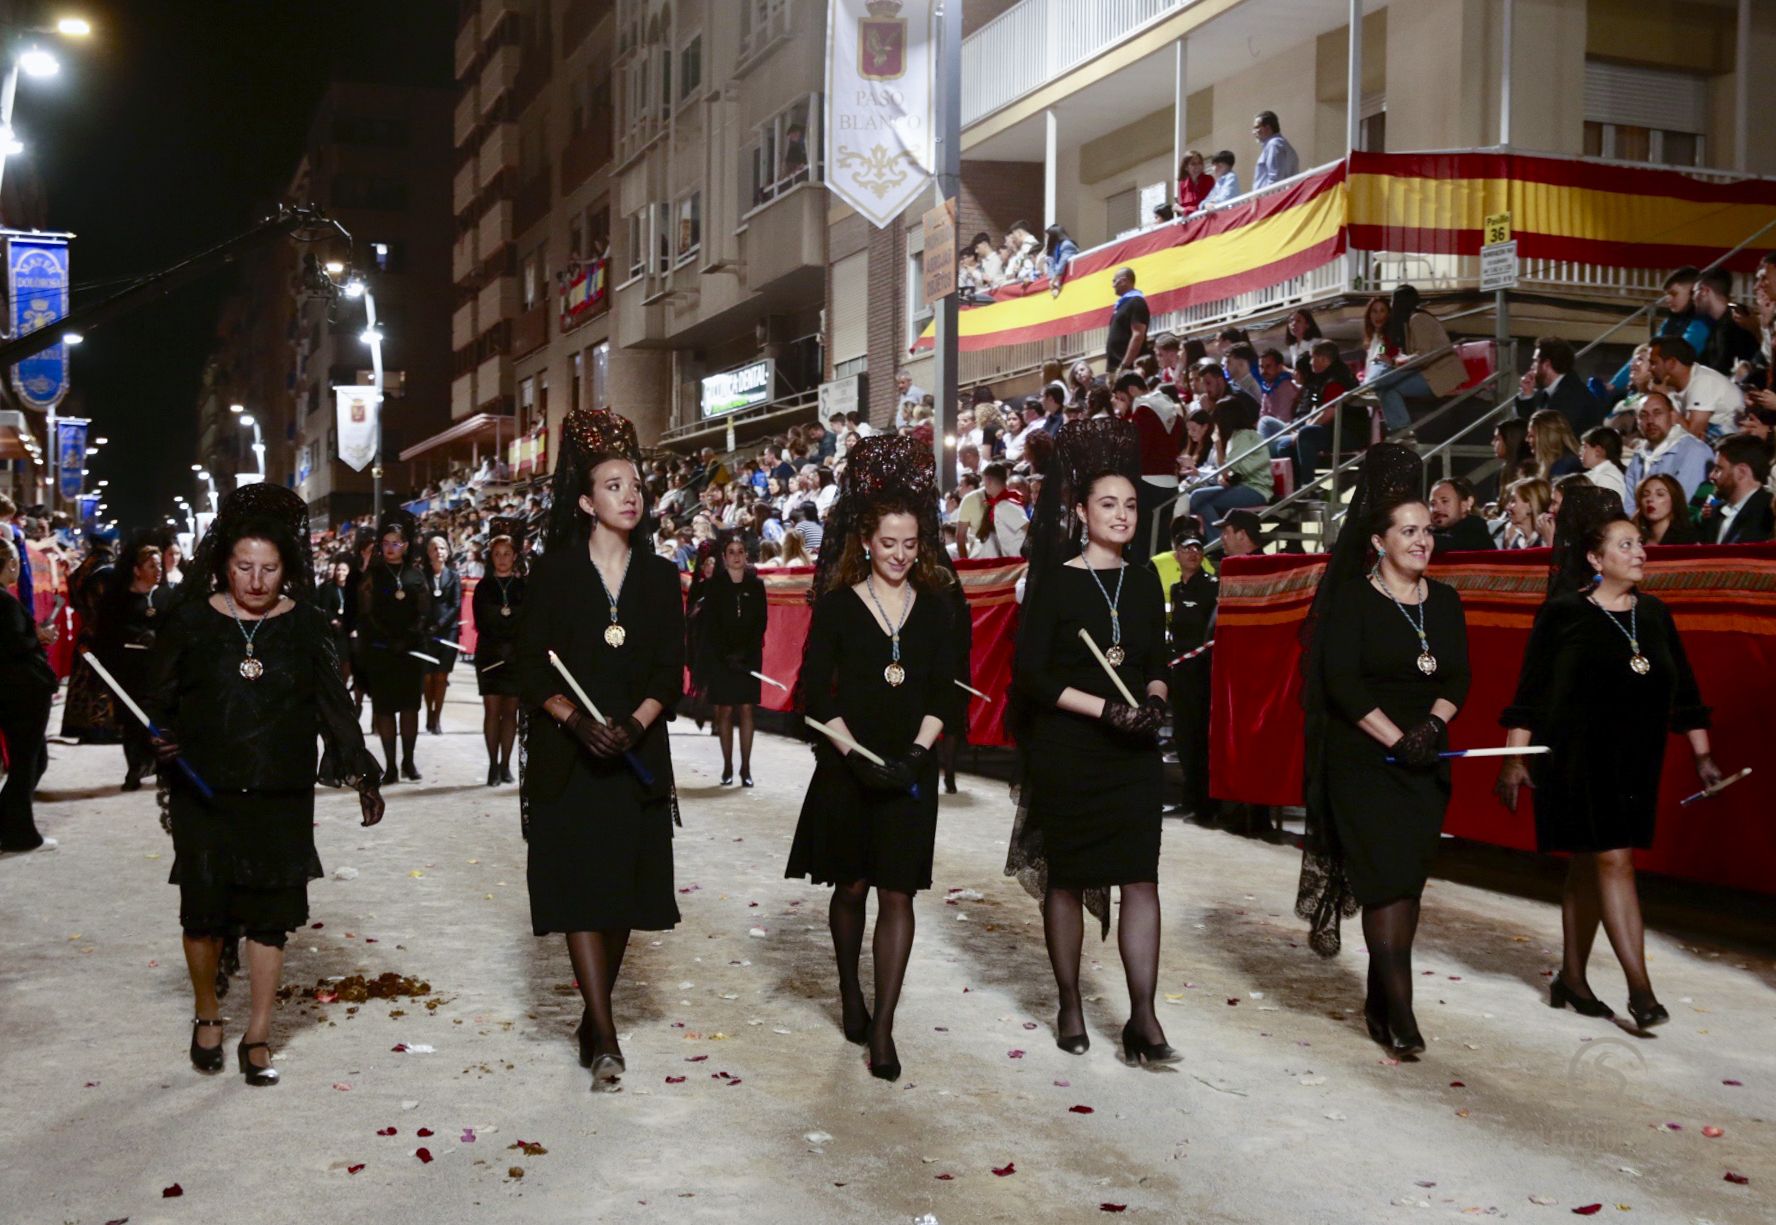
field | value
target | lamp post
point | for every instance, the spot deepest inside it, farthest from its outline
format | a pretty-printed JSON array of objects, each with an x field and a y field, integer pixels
[
  {"x": 36, "y": 62},
  {"x": 258, "y": 441}
]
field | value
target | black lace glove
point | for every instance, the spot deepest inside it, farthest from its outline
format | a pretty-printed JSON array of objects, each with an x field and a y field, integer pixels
[
  {"x": 1420, "y": 745},
  {"x": 370, "y": 804},
  {"x": 895, "y": 775},
  {"x": 624, "y": 733},
  {"x": 595, "y": 736},
  {"x": 1141, "y": 721},
  {"x": 1513, "y": 776}
]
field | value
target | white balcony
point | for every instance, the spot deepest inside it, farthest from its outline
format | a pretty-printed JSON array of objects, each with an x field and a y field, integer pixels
[
  {"x": 497, "y": 300},
  {"x": 1034, "y": 42},
  {"x": 462, "y": 327},
  {"x": 493, "y": 379},
  {"x": 498, "y": 151},
  {"x": 498, "y": 77},
  {"x": 468, "y": 114},
  {"x": 462, "y": 396},
  {"x": 463, "y": 258},
  {"x": 462, "y": 189},
  {"x": 495, "y": 229}
]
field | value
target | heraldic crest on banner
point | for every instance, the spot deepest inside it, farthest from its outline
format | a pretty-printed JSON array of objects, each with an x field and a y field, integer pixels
[{"x": 882, "y": 42}]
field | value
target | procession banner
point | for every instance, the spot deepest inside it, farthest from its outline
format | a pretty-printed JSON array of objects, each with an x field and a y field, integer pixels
[
  {"x": 70, "y": 445},
  {"x": 881, "y": 86},
  {"x": 359, "y": 421},
  {"x": 37, "y": 296}
]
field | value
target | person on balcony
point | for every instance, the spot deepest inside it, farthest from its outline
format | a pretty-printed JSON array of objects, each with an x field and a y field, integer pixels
[
  {"x": 1546, "y": 385},
  {"x": 1707, "y": 401},
  {"x": 1728, "y": 343},
  {"x": 1277, "y": 159},
  {"x": 1227, "y": 183},
  {"x": 1059, "y": 252},
  {"x": 795, "y": 155},
  {"x": 1194, "y": 184},
  {"x": 1434, "y": 369}
]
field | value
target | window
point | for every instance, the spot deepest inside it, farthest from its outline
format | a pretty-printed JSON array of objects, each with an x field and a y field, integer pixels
[
  {"x": 527, "y": 394},
  {"x": 637, "y": 223},
  {"x": 785, "y": 150},
  {"x": 1372, "y": 126},
  {"x": 690, "y": 67},
  {"x": 664, "y": 56},
  {"x": 1651, "y": 115},
  {"x": 918, "y": 309},
  {"x": 662, "y": 240},
  {"x": 601, "y": 374},
  {"x": 689, "y": 239},
  {"x": 576, "y": 370},
  {"x": 761, "y": 21},
  {"x": 542, "y": 416},
  {"x": 533, "y": 271}
]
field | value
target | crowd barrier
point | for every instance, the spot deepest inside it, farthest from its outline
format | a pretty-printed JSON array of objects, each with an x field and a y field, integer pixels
[{"x": 1724, "y": 602}]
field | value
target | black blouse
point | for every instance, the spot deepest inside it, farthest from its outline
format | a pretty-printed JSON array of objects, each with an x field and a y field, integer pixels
[
  {"x": 255, "y": 735},
  {"x": 734, "y": 617},
  {"x": 1371, "y": 653},
  {"x": 1051, "y": 656},
  {"x": 845, "y": 659},
  {"x": 445, "y": 606},
  {"x": 394, "y": 608},
  {"x": 496, "y": 604}
]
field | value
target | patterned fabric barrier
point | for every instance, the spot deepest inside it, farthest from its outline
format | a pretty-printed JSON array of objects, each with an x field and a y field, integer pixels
[
  {"x": 991, "y": 588},
  {"x": 1724, "y": 601}
]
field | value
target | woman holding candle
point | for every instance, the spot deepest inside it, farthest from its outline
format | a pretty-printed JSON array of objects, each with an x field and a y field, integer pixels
[{"x": 499, "y": 597}]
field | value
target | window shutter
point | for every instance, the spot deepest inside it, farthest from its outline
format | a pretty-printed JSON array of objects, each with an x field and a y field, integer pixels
[{"x": 848, "y": 310}]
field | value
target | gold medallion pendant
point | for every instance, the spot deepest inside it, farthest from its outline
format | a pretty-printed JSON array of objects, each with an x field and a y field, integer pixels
[
  {"x": 894, "y": 674},
  {"x": 1427, "y": 663},
  {"x": 399, "y": 594},
  {"x": 505, "y": 612},
  {"x": 614, "y": 634},
  {"x": 251, "y": 668},
  {"x": 1115, "y": 655},
  {"x": 1641, "y": 664}
]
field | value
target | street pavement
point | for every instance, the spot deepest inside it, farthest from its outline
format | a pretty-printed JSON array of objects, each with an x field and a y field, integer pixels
[{"x": 742, "y": 1101}]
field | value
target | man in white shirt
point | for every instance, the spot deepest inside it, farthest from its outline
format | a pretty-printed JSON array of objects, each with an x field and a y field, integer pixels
[
  {"x": 1276, "y": 156},
  {"x": 1669, "y": 449},
  {"x": 1706, "y": 400},
  {"x": 908, "y": 395}
]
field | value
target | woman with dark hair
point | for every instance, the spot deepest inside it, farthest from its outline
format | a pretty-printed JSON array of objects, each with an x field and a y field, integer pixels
[
  {"x": 90, "y": 713},
  {"x": 1327, "y": 382},
  {"x": 496, "y": 606},
  {"x": 878, "y": 668},
  {"x": 443, "y": 623},
  {"x": 1092, "y": 790},
  {"x": 1199, "y": 441},
  {"x": 394, "y": 609},
  {"x": 1058, "y": 250},
  {"x": 27, "y": 687},
  {"x": 598, "y": 797},
  {"x": 1301, "y": 331},
  {"x": 243, "y": 673},
  {"x": 1385, "y": 668},
  {"x": 1419, "y": 343},
  {"x": 1662, "y": 514},
  {"x": 130, "y": 613},
  {"x": 733, "y": 616},
  {"x": 1194, "y": 182},
  {"x": 1604, "y": 681}
]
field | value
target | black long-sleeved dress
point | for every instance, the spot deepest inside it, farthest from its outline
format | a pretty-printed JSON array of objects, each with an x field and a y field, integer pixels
[
  {"x": 336, "y": 604},
  {"x": 600, "y": 840},
  {"x": 1093, "y": 794},
  {"x": 443, "y": 618},
  {"x": 495, "y": 606},
  {"x": 846, "y": 832},
  {"x": 245, "y": 857},
  {"x": 27, "y": 686},
  {"x": 732, "y": 638},
  {"x": 394, "y": 608},
  {"x": 1389, "y": 817},
  {"x": 1598, "y": 790}
]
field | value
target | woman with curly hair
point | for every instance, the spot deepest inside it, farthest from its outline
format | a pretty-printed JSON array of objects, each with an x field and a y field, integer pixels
[
  {"x": 878, "y": 667},
  {"x": 244, "y": 670}
]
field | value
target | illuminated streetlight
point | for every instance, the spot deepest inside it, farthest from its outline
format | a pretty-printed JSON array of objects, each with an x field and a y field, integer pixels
[
  {"x": 99, "y": 442},
  {"x": 335, "y": 267},
  {"x": 237, "y": 408},
  {"x": 74, "y": 27},
  {"x": 246, "y": 418},
  {"x": 36, "y": 62},
  {"x": 354, "y": 288},
  {"x": 371, "y": 336},
  {"x": 71, "y": 338},
  {"x": 197, "y": 467}
]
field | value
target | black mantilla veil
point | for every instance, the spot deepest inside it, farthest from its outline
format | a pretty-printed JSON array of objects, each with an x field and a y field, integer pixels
[
  {"x": 1584, "y": 508},
  {"x": 259, "y": 511},
  {"x": 880, "y": 468},
  {"x": 1083, "y": 452},
  {"x": 1391, "y": 474},
  {"x": 589, "y": 437},
  {"x": 401, "y": 520}
]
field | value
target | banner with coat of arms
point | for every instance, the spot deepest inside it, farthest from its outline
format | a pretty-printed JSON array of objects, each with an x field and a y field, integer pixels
[
  {"x": 359, "y": 408},
  {"x": 37, "y": 297},
  {"x": 881, "y": 87}
]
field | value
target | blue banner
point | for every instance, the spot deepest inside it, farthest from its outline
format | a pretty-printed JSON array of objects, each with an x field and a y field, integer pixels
[
  {"x": 70, "y": 455},
  {"x": 37, "y": 293},
  {"x": 89, "y": 507}
]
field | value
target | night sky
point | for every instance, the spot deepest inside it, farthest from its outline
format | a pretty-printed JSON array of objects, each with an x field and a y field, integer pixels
[{"x": 176, "y": 125}]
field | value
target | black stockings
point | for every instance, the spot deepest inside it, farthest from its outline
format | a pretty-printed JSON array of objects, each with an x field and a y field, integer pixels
[
  {"x": 947, "y": 748},
  {"x": 1600, "y": 888},
  {"x": 499, "y": 726},
  {"x": 724, "y": 729},
  {"x": 435, "y": 685},
  {"x": 597, "y": 959},
  {"x": 1137, "y": 940},
  {"x": 890, "y": 950},
  {"x": 1389, "y": 930}
]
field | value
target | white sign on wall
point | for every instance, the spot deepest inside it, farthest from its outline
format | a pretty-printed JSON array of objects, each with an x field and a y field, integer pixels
[{"x": 732, "y": 390}]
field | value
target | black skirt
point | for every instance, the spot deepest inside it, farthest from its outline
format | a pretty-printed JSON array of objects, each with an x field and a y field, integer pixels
[
  {"x": 728, "y": 686},
  {"x": 394, "y": 679},
  {"x": 1095, "y": 799},
  {"x": 847, "y": 833},
  {"x": 243, "y": 860},
  {"x": 601, "y": 855},
  {"x": 496, "y": 669}
]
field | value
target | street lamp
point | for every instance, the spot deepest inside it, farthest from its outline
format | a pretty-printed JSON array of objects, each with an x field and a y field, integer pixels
[
  {"x": 247, "y": 419},
  {"x": 36, "y": 62},
  {"x": 237, "y": 408},
  {"x": 74, "y": 27}
]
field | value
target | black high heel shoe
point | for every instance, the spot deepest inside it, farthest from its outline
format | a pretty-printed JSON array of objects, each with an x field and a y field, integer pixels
[
  {"x": 607, "y": 1070},
  {"x": 506, "y": 775},
  {"x": 1073, "y": 1044},
  {"x": 410, "y": 771},
  {"x": 746, "y": 778},
  {"x": 1561, "y": 996},
  {"x": 389, "y": 777},
  {"x": 256, "y": 1076},
  {"x": 205, "y": 1058},
  {"x": 493, "y": 777},
  {"x": 888, "y": 1069},
  {"x": 728, "y": 777},
  {"x": 1649, "y": 1014},
  {"x": 1378, "y": 1030},
  {"x": 1140, "y": 1052},
  {"x": 1405, "y": 1041}
]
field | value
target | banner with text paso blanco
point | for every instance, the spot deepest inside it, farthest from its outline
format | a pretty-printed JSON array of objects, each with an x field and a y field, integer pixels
[
  {"x": 359, "y": 409},
  {"x": 881, "y": 103}
]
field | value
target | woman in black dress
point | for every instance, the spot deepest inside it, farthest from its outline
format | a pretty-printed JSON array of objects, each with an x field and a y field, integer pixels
[
  {"x": 1089, "y": 805},
  {"x": 499, "y": 596},
  {"x": 1385, "y": 669},
  {"x": 27, "y": 686},
  {"x": 394, "y": 610},
  {"x": 442, "y": 626},
  {"x": 1604, "y": 680},
  {"x": 90, "y": 713},
  {"x": 243, "y": 674},
  {"x": 600, "y": 833},
  {"x": 334, "y": 597},
  {"x": 877, "y": 666},
  {"x": 129, "y": 615},
  {"x": 733, "y": 641}
]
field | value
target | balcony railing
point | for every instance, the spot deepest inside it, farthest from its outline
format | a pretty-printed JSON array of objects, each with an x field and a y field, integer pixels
[{"x": 1036, "y": 41}]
